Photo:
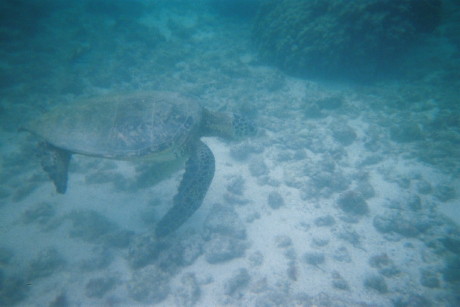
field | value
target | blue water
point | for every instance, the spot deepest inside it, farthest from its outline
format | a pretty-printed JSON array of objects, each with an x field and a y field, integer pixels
[{"x": 346, "y": 196}]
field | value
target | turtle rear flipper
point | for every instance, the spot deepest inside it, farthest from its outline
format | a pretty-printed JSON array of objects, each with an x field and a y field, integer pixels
[
  {"x": 198, "y": 175},
  {"x": 55, "y": 162}
]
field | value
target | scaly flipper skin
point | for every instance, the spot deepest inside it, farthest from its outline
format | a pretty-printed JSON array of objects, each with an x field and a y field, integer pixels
[
  {"x": 55, "y": 162},
  {"x": 198, "y": 175}
]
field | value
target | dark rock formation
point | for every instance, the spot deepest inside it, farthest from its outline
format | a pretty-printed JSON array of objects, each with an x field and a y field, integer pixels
[{"x": 337, "y": 37}]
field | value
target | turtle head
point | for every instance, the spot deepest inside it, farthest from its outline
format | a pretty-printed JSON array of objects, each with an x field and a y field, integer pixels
[
  {"x": 227, "y": 125},
  {"x": 241, "y": 127}
]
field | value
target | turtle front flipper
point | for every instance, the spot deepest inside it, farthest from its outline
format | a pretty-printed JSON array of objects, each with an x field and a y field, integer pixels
[
  {"x": 198, "y": 175},
  {"x": 55, "y": 163}
]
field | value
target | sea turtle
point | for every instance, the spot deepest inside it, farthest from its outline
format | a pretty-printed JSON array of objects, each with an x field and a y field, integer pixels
[{"x": 158, "y": 126}]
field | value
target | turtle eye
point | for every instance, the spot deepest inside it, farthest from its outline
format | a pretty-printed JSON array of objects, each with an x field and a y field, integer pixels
[{"x": 243, "y": 127}]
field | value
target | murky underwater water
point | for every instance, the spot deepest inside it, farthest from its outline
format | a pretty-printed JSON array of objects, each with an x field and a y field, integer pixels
[{"x": 347, "y": 195}]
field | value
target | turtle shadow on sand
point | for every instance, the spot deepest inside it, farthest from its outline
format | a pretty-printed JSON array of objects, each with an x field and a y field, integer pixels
[{"x": 153, "y": 126}]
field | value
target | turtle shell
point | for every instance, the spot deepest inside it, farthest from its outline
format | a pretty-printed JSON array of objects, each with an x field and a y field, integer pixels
[{"x": 123, "y": 126}]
